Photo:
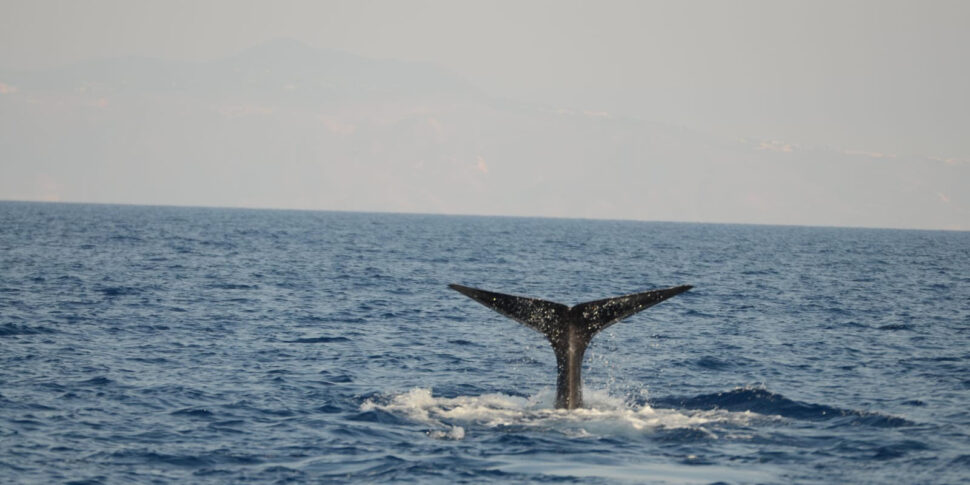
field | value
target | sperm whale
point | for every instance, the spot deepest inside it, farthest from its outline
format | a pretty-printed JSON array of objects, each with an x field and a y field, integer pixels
[{"x": 568, "y": 328}]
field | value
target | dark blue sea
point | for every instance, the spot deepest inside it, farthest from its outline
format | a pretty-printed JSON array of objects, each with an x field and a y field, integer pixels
[{"x": 190, "y": 345}]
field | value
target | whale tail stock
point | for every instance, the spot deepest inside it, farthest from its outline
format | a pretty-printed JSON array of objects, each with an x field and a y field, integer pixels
[{"x": 569, "y": 329}]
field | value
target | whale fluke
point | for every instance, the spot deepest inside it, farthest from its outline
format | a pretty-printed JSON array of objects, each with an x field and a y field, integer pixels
[{"x": 569, "y": 329}]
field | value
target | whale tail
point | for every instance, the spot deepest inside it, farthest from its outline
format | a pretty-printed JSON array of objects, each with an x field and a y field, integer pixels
[{"x": 569, "y": 329}]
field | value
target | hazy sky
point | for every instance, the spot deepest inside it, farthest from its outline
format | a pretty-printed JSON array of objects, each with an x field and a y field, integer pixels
[
  {"x": 872, "y": 76},
  {"x": 878, "y": 75}
]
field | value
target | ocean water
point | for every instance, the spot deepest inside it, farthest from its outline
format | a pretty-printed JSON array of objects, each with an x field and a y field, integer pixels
[{"x": 188, "y": 345}]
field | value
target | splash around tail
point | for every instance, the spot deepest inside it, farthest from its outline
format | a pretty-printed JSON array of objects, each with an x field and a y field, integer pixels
[{"x": 447, "y": 418}]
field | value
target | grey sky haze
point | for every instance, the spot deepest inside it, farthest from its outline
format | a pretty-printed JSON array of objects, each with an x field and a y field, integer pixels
[{"x": 877, "y": 77}]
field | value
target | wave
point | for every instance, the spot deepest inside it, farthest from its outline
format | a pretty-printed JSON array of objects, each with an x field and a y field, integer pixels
[
  {"x": 10, "y": 329},
  {"x": 762, "y": 401},
  {"x": 317, "y": 340},
  {"x": 113, "y": 291}
]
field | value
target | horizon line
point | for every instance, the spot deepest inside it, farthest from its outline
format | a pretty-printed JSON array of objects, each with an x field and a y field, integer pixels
[{"x": 480, "y": 215}]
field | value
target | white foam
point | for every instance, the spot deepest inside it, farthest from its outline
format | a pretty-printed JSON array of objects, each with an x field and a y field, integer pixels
[{"x": 603, "y": 415}]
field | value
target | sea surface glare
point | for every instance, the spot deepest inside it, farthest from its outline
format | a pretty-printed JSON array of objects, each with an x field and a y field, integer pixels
[{"x": 185, "y": 345}]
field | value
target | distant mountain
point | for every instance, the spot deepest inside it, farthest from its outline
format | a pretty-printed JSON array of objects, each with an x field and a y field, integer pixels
[
  {"x": 286, "y": 125},
  {"x": 282, "y": 68}
]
